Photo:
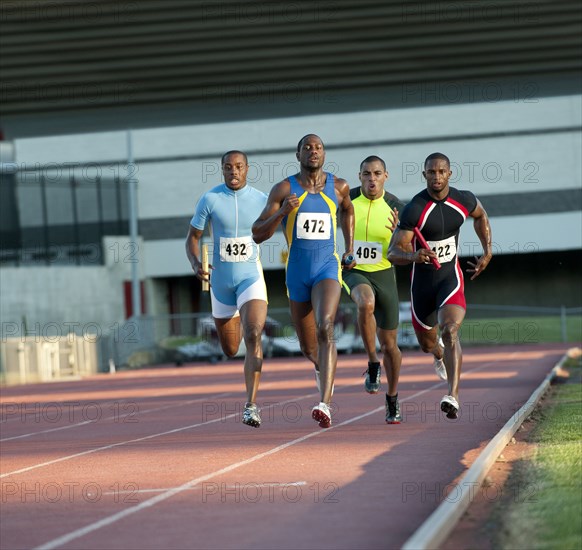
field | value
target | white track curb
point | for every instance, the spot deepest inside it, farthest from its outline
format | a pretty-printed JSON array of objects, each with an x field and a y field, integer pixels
[{"x": 437, "y": 527}]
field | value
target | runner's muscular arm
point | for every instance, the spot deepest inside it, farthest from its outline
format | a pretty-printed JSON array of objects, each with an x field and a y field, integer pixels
[
  {"x": 279, "y": 204},
  {"x": 193, "y": 253},
  {"x": 400, "y": 251},
  {"x": 346, "y": 211},
  {"x": 483, "y": 231}
]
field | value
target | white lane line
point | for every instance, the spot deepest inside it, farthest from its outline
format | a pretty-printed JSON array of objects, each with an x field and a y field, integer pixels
[
  {"x": 144, "y": 438},
  {"x": 49, "y": 430},
  {"x": 274, "y": 484},
  {"x": 192, "y": 426},
  {"x": 78, "y": 533},
  {"x": 117, "y": 416}
]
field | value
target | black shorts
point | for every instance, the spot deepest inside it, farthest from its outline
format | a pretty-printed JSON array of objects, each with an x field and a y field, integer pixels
[
  {"x": 431, "y": 289},
  {"x": 383, "y": 284}
]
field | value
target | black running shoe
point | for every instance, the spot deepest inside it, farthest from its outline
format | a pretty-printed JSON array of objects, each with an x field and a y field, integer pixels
[
  {"x": 373, "y": 374},
  {"x": 393, "y": 415},
  {"x": 251, "y": 416}
]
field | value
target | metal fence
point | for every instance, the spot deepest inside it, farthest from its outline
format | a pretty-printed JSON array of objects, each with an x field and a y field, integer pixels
[
  {"x": 176, "y": 339},
  {"x": 190, "y": 337},
  {"x": 522, "y": 324}
]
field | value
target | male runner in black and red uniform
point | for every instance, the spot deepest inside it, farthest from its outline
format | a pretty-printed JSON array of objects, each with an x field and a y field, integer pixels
[{"x": 437, "y": 296}]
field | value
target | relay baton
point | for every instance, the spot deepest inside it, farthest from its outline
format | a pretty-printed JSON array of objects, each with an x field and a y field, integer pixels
[
  {"x": 348, "y": 259},
  {"x": 205, "y": 284},
  {"x": 424, "y": 244}
]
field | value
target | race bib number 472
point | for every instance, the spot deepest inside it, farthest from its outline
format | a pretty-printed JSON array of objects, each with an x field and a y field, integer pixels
[{"x": 313, "y": 225}]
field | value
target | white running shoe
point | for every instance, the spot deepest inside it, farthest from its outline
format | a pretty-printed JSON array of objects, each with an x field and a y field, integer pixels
[
  {"x": 320, "y": 413},
  {"x": 439, "y": 365},
  {"x": 450, "y": 406}
]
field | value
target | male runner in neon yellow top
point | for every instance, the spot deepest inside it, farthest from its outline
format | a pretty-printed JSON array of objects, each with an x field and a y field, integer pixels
[{"x": 372, "y": 282}]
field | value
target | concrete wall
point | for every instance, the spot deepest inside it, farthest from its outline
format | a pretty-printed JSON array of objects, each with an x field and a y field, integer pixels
[
  {"x": 56, "y": 300},
  {"x": 471, "y": 134}
]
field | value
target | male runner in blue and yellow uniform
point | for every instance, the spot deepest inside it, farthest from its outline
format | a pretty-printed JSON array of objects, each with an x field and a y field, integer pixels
[
  {"x": 306, "y": 204},
  {"x": 371, "y": 283},
  {"x": 237, "y": 290},
  {"x": 437, "y": 296}
]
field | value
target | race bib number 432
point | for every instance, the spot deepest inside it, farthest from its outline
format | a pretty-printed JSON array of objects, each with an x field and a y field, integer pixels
[
  {"x": 446, "y": 250},
  {"x": 237, "y": 249},
  {"x": 313, "y": 225}
]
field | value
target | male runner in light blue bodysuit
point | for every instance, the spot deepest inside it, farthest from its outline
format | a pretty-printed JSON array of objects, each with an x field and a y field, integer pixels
[{"x": 238, "y": 291}]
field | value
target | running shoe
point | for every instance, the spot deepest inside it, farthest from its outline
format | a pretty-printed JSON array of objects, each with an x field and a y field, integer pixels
[
  {"x": 393, "y": 415},
  {"x": 251, "y": 416},
  {"x": 320, "y": 413},
  {"x": 373, "y": 378},
  {"x": 450, "y": 406},
  {"x": 439, "y": 365}
]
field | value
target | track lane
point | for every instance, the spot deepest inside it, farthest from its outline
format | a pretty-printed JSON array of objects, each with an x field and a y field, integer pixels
[{"x": 361, "y": 457}]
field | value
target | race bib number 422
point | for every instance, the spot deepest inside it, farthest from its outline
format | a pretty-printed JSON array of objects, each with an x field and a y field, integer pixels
[
  {"x": 446, "y": 250},
  {"x": 313, "y": 225}
]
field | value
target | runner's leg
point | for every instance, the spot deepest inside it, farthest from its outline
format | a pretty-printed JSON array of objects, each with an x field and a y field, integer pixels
[{"x": 253, "y": 314}]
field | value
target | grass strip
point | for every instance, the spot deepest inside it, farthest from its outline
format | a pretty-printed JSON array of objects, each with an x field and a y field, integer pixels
[{"x": 548, "y": 513}]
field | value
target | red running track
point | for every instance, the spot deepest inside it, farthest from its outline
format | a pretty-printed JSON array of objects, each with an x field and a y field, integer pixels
[{"x": 159, "y": 458}]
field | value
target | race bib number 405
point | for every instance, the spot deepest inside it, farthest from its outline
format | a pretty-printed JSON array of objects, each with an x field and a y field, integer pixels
[
  {"x": 446, "y": 250},
  {"x": 367, "y": 252},
  {"x": 237, "y": 249},
  {"x": 313, "y": 225}
]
